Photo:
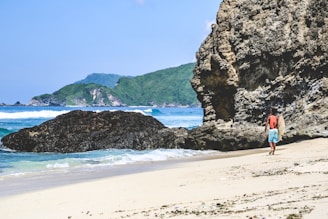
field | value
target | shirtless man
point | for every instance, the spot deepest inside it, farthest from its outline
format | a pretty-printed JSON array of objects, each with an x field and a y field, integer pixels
[{"x": 272, "y": 121}]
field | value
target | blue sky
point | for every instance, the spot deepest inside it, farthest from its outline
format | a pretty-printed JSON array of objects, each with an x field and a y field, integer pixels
[{"x": 45, "y": 45}]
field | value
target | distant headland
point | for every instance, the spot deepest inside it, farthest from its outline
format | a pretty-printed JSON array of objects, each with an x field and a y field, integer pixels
[{"x": 168, "y": 87}]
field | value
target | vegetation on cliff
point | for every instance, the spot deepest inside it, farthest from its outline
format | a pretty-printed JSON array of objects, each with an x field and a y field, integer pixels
[
  {"x": 78, "y": 94},
  {"x": 164, "y": 87}
]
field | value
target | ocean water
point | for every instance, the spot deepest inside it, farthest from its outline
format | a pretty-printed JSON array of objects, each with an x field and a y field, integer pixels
[{"x": 14, "y": 118}]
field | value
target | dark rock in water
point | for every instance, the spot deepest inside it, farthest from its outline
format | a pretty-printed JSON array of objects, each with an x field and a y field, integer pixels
[
  {"x": 262, "y": 54},
  {"x": 80, "y": 131},
  {"x": 224, "y": 139}
]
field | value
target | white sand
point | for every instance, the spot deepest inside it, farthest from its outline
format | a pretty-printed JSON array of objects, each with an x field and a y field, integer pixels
[{"x": 292, "y": 182}]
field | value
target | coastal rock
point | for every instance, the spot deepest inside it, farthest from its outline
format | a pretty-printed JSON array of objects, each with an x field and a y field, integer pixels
[
  {"x": 224, "y": 139},
  {"x": 80, "y": 131},
  {"x": 263, "y": 54}
]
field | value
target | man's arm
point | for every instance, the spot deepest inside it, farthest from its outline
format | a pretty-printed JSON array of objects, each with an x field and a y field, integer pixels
[{"x": 266, "y": 125}]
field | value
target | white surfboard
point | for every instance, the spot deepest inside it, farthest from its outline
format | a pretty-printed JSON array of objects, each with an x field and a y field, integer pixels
[{"x": 281, "y": 127}]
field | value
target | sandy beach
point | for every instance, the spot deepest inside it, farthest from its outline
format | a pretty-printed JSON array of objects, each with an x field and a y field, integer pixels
[{"x": 249, "y": 184}]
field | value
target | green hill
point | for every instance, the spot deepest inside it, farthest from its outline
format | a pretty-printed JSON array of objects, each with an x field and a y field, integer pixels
[
  {"x": 169, "y": 86},
  {"x": 79, "y": 95}
]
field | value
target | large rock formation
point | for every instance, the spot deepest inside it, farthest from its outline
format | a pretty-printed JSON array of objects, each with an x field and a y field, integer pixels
[
  {"x": 79, "y": 131},
  {"x": 262, "y": 54}
]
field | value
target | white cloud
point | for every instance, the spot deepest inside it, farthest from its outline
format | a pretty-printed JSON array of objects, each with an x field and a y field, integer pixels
[{"x": 140, "y": 2}]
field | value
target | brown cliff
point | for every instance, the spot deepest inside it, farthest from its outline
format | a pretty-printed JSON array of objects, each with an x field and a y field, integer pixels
[{"x": 262, "y": 54}]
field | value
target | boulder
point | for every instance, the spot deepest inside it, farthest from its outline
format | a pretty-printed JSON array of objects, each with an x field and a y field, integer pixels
[
  {"x": 224, "y": 139},
  {"x": 263, "y": 54},
  {"x": 79, "y": 131}
]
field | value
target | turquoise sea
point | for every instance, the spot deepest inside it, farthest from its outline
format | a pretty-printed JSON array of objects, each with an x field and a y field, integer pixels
[{"x": 14, "y": 118}]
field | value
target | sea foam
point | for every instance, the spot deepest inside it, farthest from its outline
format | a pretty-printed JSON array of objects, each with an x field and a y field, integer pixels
[{"x": 31, "y": 114}]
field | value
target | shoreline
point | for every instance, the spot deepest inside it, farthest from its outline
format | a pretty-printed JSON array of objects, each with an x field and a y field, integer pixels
[
  {"x": 245, "y": 184},
  {"x": 32, "y": 182}
]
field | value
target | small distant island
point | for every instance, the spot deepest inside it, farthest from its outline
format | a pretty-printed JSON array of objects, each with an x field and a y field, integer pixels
[
  {"x": 163, "y": 88},
  {"x": 18, "y": 103}
]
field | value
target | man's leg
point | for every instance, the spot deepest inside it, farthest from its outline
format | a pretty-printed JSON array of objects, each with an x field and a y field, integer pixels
[
  {"x": 273, "y": 148},
  {"x": 274, "y": 141}
]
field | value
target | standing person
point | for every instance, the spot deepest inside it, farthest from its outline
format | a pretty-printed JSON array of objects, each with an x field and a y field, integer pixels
[{"x": 272, "y": 121}]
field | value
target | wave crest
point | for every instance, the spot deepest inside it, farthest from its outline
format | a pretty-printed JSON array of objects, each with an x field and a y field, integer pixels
[{"x": 32, "y": 114}]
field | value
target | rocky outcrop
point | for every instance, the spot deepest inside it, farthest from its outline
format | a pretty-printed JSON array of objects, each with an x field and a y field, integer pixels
[
  {"x": 262, "y": 54},
  {"x": 225, "y": 139},
  {"x": 80, "y": 131}
]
